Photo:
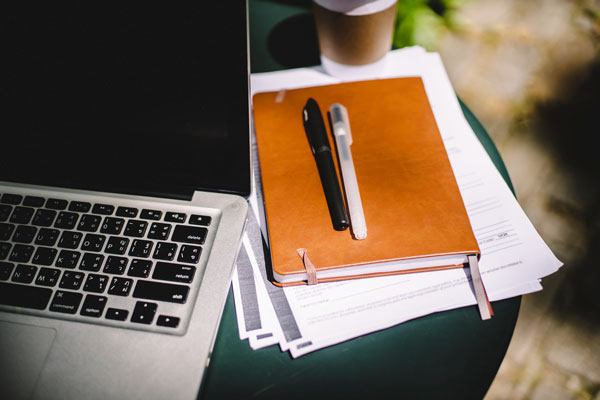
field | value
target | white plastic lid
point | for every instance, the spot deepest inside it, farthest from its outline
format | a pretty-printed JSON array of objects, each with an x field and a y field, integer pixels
[{"x": 355, "y": 7}]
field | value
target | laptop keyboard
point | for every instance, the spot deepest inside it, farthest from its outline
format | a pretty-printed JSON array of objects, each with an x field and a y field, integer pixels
[{"x": 110, "y": 264}]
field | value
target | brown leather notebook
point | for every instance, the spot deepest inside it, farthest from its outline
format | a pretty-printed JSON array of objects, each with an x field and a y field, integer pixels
[{"x": 415, "y": 216}]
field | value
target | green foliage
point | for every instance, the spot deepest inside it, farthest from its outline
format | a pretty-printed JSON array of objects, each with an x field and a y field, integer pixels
[{"x": 422, "y": 21}]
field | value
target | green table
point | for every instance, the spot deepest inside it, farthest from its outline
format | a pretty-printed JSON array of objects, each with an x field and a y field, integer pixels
[{"x": 445, "y": 355}]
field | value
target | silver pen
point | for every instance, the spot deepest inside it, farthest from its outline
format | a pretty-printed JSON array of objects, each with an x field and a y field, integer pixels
[{"x": 343, "y": 140}]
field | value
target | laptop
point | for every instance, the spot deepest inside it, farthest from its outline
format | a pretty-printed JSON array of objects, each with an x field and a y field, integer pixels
[{"x": 124, "y": 172}]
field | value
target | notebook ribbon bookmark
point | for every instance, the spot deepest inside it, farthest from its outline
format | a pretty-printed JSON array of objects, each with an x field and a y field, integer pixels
[{"x": 485, "y": 308}]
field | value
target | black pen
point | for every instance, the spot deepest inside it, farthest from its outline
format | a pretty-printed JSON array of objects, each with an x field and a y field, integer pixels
[{"x": 319, "y": 144}]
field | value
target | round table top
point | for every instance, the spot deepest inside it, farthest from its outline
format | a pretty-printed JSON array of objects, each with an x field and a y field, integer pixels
[{"x": 452, "y": 354}]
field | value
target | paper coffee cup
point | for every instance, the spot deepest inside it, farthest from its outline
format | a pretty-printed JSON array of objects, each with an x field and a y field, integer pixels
[{"x": 354, "y": 35}]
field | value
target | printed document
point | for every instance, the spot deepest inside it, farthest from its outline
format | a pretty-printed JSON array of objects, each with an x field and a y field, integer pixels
[{"x": 302, "y": 319}]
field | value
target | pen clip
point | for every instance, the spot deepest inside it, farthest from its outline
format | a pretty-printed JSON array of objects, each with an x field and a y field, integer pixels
[
  {"x": 315, "y": 127},
  {"x": 340, "y": 121}
]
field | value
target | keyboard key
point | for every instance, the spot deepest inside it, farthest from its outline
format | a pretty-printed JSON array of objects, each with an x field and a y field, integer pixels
[
  {"x": 56, "y": 204},
  {"x": 65, "y": 302},
  {"x": 79, "y": 206},
  {"x": 66, "y": 220},
  {"x": 67, "y": 259},
  {"x": 71, "y": 280},
  {"x": 161, "y": 291},
  {"x": 5, "y": 211},
  {"x": 189, "y": 254},
  {"x": 115, "y": 265},
  {"x": 141, "y": 248},
  {"x": 143, "y": 313},
  {"x": 165, "y": 251},
  {"x": 24, "y": 234},
  {"x": 4, "y": 250},
  {"x": 135, "y": 228},
  {"x": 5, "y": 270},
  {"x": 70, "y": 240},
  {"x": 116, "y": 245},
  {"x": 47, "y": 277},
  {"x": 8, "y": 198},
  {"x": 34, "y": 201},
  {"x": 91, "y": 262},
  {"x": 151, "y": 214},
  {"x": 93, "y": 306},
  {"x": 159, "y": 231},
  {"x": 174, "y": 272},
  {"x": 33, "y": 297},
  {"x": 44, "y": 217},
  {"x": 140, "y": 268},
  {"x": 189, "y": 234},
  {"x": 44, "y": 256},
  {"x": 89, "y": 223},
  {"x": 128, "y": 212},
  {"x": 6, "y": 231},
  {"x": 120, "y": 286},
  {"x": 103, "y": 209},
  {"x": 200, "y": 220},
  {"x": 21, "y": 253},
  {"x": 24, "y": 273},
  {"x": 22, "y": 215},
  {"x": 112, "y": 226},
  {"x": 47, "y": 237},
  {"x": 95, "y": 283},
  {"x": 168, "y": 321},
  {"x": 116, "y": 314},
  {"x": 93, "y": 242},
  {"x": 175, "y": 217}
]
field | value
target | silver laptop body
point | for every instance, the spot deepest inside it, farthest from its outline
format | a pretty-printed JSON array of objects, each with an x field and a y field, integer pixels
[{"x": 124, "y": 299}]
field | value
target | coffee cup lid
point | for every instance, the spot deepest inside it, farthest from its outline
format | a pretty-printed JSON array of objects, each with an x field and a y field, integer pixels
[{"x": 355, "y": 7}]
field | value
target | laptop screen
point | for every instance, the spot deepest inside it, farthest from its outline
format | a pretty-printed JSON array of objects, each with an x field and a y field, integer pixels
[{"x": 134, "y": 99}]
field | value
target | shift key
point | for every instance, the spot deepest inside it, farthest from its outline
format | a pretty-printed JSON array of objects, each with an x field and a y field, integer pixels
[
  {"x": 161, "y": 291},
  {"x": 189, "y": 234}
]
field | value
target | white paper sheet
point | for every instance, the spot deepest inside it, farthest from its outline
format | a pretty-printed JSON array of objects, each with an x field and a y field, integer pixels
[{"x": 514, "y": 257}]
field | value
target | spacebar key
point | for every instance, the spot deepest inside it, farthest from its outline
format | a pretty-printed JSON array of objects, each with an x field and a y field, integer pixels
[
  {"x": 161, "y": 292},
  {"x": 24, "y": 296}
]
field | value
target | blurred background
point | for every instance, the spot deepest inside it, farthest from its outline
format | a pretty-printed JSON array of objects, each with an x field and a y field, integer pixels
[{"x": 530, "y": 71}]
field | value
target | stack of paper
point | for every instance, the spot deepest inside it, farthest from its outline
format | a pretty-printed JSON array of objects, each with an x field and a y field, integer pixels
[{"x": 302, "y": 319}]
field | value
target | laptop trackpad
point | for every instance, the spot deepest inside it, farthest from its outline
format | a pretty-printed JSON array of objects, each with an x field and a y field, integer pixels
[{"x": 23, "y": 351}]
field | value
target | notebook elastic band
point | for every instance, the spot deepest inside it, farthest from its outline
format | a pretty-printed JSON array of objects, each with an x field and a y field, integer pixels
[{"x": 311, "y": 272}]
